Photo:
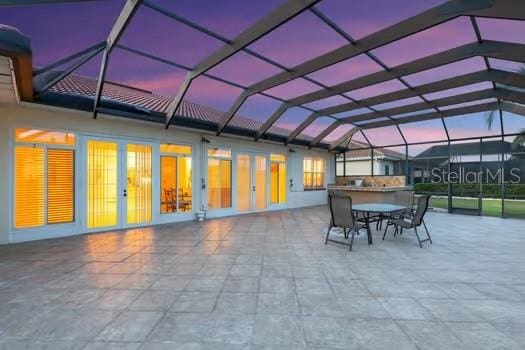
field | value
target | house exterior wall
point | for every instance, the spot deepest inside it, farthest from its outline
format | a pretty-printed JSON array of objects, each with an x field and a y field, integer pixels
[{"x": 28, "y": 115}]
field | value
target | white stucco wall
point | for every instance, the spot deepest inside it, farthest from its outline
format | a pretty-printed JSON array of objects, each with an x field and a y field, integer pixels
[{"x": 53, "y": 118}]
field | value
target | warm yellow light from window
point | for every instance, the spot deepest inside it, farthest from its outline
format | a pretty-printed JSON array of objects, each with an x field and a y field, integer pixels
[
  {"x": 44, "y": 136},
  {"x": 174, "y": 148},
  {"x": 313, "y": 173},
  {"x": 243, "y": 182},
  {"x": 138, "y": 183},
  {"x": 260, "y": 182},
  {"x": 219, "y": 152},
  {"x": 278, "y": 183},
  {"x": 102, "y": 184},
  {"x": 277, "y": 158},
  {"x": 29, "y": 186},
  {"x": 168, "y": 184},
  {"x": 185, "y": 175},
  {"x": 60, "y": 185},
  {"x": 219, "y": 183}
]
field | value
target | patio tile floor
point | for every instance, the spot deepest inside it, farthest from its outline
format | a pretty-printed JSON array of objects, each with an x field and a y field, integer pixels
[{"x": 267, "y": 281}]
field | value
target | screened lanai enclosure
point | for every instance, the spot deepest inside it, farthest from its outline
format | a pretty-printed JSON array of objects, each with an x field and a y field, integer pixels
[
  {"x": 274, "y": 97},
  {"x": 262, "y": 174}
]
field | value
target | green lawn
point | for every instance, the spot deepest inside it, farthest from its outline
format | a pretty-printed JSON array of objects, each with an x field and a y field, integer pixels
[{"x": 491, "y": 207}]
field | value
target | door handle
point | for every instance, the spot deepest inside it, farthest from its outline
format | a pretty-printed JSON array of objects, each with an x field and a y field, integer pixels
[
  {"x": 253, "y": 188},
  {"x": 125, "y": 194}
]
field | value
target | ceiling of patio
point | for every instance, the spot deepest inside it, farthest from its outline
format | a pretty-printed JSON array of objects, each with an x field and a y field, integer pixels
[{"x": 315, "y": 73}]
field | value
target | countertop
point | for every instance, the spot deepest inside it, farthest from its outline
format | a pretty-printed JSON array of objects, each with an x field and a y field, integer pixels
[{"x": 369, "y": 189}]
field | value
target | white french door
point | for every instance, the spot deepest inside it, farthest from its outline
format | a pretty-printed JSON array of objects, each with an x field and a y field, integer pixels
[
  {"x": 118, "y": 183},
  {"x": 252, "y": 170}
]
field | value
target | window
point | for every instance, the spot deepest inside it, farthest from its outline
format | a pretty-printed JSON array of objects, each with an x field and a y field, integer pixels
[
  {"x": 175, "y": 178},
  {"x": 387, "y": 169},
  {"x": 313, "y": 173},
  {"x": 219, "y": 178},
  {"x": 277, "y": 179},
  {"x": 44, "y": 178}
]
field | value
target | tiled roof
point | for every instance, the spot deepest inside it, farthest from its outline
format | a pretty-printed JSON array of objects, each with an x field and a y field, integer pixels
[{"x": 78, "y": 85}]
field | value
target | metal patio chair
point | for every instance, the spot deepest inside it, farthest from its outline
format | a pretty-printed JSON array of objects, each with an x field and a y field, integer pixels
[
  {"x": 342, "y": 216},
  {"x": 414, "y": 220},
  {"x": 405, "y": 199}
]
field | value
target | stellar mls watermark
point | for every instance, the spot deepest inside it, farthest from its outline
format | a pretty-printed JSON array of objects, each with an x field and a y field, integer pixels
[{"x": 462, "y": 176}]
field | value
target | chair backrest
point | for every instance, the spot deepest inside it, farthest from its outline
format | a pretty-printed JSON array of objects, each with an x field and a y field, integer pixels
[
  {"x": 404, "y": 198},
  {"x": 422, "y": 206},
  {"x": 341, "y": 210}
]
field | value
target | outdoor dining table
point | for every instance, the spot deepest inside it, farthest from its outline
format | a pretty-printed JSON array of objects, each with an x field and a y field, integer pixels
[{"x": 375, "y": 208}]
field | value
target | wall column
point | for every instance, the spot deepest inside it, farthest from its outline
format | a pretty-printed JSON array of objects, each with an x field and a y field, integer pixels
[{"x": 4, "y": 182}]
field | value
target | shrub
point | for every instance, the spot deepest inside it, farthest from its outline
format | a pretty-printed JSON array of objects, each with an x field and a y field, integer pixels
[{"x": 512, "y": 191}]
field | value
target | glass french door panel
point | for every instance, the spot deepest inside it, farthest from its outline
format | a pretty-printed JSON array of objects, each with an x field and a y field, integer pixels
[
  {"x": 274, "y": 183},
  {"x": 29, "y": 186},
  {"x": 138, "y": 177},
  {"x": 243, "y": 182},
  {"x": 260, "y": 182},
  {"x": 168, "y": 183},
  {"x": 225, "y": 168},
  {"x": 277, "y": 183},
  {"x": 219, "y": 183},
  {"x": 102, "y": 184}
]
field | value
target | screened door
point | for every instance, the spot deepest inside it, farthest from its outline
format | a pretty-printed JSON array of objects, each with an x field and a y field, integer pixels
[{"x": 119, "y": 189}]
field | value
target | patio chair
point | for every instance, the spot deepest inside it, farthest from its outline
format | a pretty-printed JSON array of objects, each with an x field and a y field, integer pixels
[
  {"x": 414, "y": 220},
  {"x": 404, "y": 199},
  {"x": 342, "y": 216}
]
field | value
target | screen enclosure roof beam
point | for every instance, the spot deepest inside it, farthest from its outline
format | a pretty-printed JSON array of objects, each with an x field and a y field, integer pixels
[
  {"x": 506, "y": 9},
  {"x": 273, "y": 20}
]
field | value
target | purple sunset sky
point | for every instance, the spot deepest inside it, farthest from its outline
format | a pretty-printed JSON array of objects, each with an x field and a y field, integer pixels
[{"x": 58, "y": 30}]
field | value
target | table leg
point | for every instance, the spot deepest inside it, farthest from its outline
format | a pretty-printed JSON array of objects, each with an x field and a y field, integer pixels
[{"x": 368, "y": 231}]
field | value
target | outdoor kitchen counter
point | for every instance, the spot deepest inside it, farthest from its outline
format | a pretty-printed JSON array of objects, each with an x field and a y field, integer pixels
[{"x": 363, "y": 194}]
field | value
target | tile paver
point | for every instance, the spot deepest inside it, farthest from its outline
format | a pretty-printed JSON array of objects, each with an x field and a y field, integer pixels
[{"x": 267, "y": 281}]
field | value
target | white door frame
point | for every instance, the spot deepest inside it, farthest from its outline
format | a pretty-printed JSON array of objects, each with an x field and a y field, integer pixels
[
  {"x": 121, "y": 181},
  {"x": 253, "y": 154}
]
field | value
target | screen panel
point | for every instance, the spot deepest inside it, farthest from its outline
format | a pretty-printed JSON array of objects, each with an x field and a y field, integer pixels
[
  {"x": 383, "y": 136},
  {"x": 142, "y": 73},
  {"x": 255, "y": 111},
  {"x": 352, "y": 68},
  {"x": 424, "y": 131},
  {"x": 502, "y": 30},
  {"x": 473, "y": 125},
  {"x": 289, "y": 121},
  {"x": 76, "y": 18},
  {"x": 443, "y": 37},
  {"x": 361, "y": 18},
  {"x": 211, "y": 93},
  {"x": 302, "y": 38},
  {"x": 293, "y": 88},
  {"x": 450, "y": 70},
  {"x": 376, "y": 89},
  {"x": 227, "y": 17},
  {"x": 150, "y": 31},
  {"x": 327, "y": 102},
  {"x": 244, "y": 69},
  {"x": 316, "y": 127},
  {"x": 459, "y": 90}
]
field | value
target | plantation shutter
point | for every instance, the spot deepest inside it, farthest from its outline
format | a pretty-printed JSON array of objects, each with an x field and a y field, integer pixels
[
  {"x": 29, "y": 186},
  {"x": 60, "y": 185}
]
